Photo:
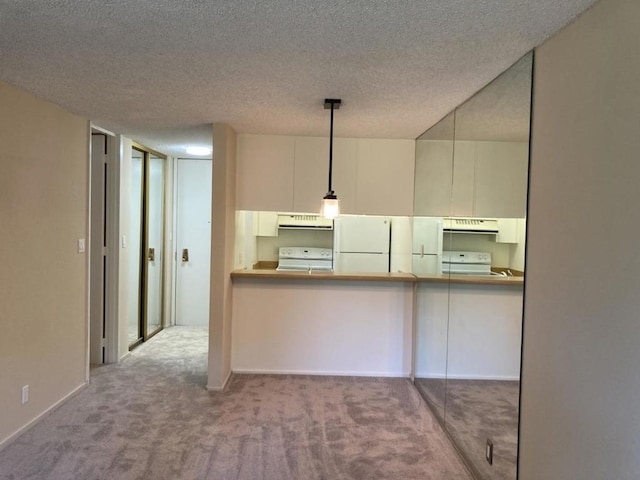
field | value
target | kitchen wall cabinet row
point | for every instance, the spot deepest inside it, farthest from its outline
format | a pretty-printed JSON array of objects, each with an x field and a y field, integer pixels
[
  {"x": 471, "y": 178},
  {"x": 290, "y": 173}
]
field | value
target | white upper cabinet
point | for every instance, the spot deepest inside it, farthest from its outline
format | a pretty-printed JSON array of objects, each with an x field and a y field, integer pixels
[
  {"x": 311, "y": 172},
  {"x": 344, "y": 172},
  {"x": 464, "y": 172},
  {"x": 290, "y": 174},
  {"x": 265, "y": 168},
  {"x": 433, "y": 178},
  {"x": 501, "y": 179},
  {"x": 385, "y": 176},
  {"x": 485, "y": 179}
]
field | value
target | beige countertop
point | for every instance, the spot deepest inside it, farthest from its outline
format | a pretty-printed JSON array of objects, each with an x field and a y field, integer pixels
[
  {"x": 270, "y": 274},
  {"x": 319, "y": 275}
]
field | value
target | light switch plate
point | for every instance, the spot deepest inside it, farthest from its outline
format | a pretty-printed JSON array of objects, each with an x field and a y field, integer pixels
[{"x": 81, "y": 247}]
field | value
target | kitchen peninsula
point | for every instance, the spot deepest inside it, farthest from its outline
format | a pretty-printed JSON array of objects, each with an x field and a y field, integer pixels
[{"x": 353, "y": 324}]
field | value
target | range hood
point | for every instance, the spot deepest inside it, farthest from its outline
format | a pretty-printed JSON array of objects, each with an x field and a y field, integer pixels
[
  {"x": 295, "y": 221},
  {"x": 487, "y": 226}
]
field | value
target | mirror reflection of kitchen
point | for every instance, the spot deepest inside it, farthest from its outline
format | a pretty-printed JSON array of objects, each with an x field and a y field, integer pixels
[{"x": 471, "y": 170}]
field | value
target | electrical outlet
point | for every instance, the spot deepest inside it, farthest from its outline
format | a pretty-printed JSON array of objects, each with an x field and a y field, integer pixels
[
  {"x": 489, "y": 452},
  {"x": 25, "y": 394}
]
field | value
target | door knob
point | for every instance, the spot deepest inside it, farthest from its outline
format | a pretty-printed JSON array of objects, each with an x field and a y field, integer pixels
[
  {"x": 151, "y": 256},
  {"x": 185, "y": 254}
]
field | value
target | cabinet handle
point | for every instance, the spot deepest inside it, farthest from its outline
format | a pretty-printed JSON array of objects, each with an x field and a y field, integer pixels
[
  {"x": 151, "y": 256},
  {"x": 185, "y": 254}
]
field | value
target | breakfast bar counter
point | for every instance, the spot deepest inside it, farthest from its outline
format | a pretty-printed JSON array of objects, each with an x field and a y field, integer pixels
[{"x": 271, "y": 274}]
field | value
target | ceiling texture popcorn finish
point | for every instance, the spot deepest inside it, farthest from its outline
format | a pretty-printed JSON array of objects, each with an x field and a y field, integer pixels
[{"x": 162, "y": 71}]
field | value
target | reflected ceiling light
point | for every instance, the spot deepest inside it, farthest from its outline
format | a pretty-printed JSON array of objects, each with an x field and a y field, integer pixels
[
  {"x": 196, "y": 150},
  {"x": 330, "y": 207}
]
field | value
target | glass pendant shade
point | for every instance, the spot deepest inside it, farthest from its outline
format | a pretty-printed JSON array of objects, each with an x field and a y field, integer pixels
[{"x": 330, "y": 207}]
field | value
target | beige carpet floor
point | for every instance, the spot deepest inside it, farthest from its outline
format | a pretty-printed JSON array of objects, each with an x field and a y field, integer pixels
[
  {"x": 150, "y": 417},
  {"x": 474, "y": 411}
]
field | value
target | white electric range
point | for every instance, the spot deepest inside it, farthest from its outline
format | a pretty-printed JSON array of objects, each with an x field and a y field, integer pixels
[{"x": 305, "y": 259}]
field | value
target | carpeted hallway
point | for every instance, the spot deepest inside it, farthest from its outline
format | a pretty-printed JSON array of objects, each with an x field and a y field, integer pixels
[{"x": 150, "y": 417}]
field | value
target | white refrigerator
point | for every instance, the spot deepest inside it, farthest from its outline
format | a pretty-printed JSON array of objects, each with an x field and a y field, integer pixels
[
  {"x": 427, "y": 246},
  {"x": 361, "y": 244}
]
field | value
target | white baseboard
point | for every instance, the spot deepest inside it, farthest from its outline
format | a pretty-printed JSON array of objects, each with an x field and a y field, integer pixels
[
  {"x": 483, "y": 377},
  {"x": 35, "y": 420},
  {"x": 332, "y": 373},
  {"x": 224, "y": 384},
  {"x": 430, "y": 375}
]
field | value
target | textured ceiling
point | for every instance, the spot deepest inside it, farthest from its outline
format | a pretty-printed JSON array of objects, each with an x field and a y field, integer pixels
[{"x": 159, "y": 71}]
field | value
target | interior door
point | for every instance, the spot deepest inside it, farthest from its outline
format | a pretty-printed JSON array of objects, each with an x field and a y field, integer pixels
[
  {"x": 98, "y": 245},
  {"x": 193, "y": 241}
]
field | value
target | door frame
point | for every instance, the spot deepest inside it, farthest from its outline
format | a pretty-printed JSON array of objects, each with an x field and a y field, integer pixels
[{"x": 112, "y": 226}]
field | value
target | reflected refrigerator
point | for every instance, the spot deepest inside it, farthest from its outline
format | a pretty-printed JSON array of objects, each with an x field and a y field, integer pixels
[
  {"x": 361, "y": 244},
  {"x": 427, "y": 246}
]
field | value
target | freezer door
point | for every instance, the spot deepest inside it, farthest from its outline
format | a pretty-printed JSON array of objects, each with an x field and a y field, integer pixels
[
  {"x": 427, "y": 235},
  {"x": 362, "y": 234},
  {"x": 424, "y": 265},
  {"x": 361, "y": 263}
]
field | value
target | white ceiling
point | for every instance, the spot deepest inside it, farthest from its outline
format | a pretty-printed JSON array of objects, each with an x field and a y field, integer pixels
[{"x": 162, "y": 71}]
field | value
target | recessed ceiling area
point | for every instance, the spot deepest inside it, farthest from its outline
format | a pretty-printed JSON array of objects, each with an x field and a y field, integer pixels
[{"x": 162, "y": 71}]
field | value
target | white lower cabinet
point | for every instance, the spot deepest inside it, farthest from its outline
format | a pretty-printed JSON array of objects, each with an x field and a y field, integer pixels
[{"x": 468, "y": 331}]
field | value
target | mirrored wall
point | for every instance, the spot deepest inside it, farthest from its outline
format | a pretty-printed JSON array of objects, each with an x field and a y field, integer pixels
[{"x": 470, "y": 199}]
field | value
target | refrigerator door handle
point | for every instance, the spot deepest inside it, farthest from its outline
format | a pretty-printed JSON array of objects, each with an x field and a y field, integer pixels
[{"x": 422, "y": 251}]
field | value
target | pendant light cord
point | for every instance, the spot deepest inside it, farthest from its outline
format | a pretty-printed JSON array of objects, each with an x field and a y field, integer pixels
[{"x": 331, "y": 150}]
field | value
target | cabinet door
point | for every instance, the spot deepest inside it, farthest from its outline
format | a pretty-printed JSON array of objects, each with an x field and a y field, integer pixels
[
  {"x": 267, "y": 224},
  {"x": 345, "y": 152},
  {"x": 385, "y": 170},
  {"x": 501, "y": 179},
  {"x": 311, "y": 167},
  {"x": 265, "y": 172},
  {"x": 311, "y": 173},
  {"x": 464, "y": 171},
  {"x": 507, "y": 230},
  {"x": 434, "y": 170}
]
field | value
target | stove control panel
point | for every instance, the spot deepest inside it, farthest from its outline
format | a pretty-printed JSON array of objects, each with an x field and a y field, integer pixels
[{"x": 306, "y": 253}]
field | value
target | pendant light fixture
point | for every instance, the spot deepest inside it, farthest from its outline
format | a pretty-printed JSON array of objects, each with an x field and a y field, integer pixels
[{"x": 330, "y": 207}]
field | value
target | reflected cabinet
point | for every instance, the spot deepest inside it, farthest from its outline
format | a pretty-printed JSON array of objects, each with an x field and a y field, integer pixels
[{"x": 474, "y": 163}]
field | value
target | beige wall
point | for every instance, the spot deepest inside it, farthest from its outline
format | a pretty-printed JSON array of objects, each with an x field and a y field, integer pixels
[
  {"x": 223, "y": 215},
  {"x": 43, "y": 280},
  {"x": 580, "y": 380}
]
